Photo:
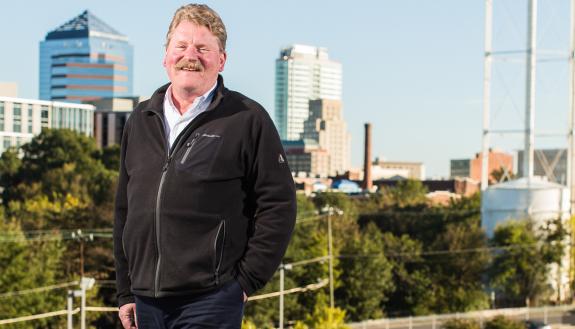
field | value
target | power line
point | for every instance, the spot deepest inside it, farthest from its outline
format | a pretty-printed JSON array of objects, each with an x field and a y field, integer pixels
[
  {"x": 55, "y": 235},
  {"x": 438, "y": 252},
  {"x": 40, "y": 289},
  {"x": 107, "y": 233},
  {"x": 37, "y": 316},
  {"x": 313, "y": 286}
]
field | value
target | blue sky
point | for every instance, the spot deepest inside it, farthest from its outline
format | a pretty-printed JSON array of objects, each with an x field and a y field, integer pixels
[{"x": 413, "y": 68}]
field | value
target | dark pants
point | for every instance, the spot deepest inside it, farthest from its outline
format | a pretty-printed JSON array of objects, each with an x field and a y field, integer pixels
[{"x": 220, "y": 309}]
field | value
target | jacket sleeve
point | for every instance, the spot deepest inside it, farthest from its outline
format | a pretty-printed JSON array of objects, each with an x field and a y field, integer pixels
[
  {"x": 273, "y": 192},
  {"x": 123, "y": 284}
]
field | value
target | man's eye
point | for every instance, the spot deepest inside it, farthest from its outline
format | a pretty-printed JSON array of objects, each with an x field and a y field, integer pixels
[{"x": 203, "y": 50}]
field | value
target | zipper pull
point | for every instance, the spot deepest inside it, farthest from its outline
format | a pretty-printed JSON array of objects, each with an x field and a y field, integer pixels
[{"x": 165, "y": 167}]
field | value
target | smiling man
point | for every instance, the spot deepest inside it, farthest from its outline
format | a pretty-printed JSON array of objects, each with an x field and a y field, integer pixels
[{"x": 205, "y": 204}]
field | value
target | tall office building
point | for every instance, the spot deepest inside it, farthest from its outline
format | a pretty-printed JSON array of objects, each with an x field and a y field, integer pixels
[
  {"x": 325, "y": 125},
  {"x": 303, "y": 73},
  {"x": 84, "y": 60}
]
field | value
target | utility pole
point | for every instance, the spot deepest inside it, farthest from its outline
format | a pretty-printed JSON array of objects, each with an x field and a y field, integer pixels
[
  {"x": 330, "y": 254},
  {"x": 528, "y": 158},
  {"x": 81, "y": 238},
  {"x": 85, "y": 284},
  {"x": 282, "y": 270},
  {"x": 70, "y": 309},
  {"x": 283, "y": 267},
  {"x": 487, "y": 61}
]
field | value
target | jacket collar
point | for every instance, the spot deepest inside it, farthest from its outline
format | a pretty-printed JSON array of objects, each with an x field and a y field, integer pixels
[{"x": 156, "y": 103}]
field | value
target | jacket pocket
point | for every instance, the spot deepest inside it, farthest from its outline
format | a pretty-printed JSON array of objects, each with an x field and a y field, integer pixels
[
  {"x": 192, "y": 252},
  {"x": 219, "y": 245},
  {"x": 198, "y": 154}
]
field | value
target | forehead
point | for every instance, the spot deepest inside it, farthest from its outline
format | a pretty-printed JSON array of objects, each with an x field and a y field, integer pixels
[{"x": 190, "y": 30}]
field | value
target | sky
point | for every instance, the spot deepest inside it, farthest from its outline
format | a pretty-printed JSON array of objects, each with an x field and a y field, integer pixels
[{"x": 412, "y": 68}]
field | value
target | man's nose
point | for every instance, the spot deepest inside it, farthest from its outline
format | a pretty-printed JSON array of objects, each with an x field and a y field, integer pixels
[{"x": 191, "y": 52}]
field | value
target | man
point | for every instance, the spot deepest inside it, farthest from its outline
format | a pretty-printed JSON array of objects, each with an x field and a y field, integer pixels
[{"x": 205, "y": 204}]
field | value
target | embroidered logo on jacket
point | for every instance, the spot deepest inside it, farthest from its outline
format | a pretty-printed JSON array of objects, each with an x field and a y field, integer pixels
[{"x": 281, "y": 159}]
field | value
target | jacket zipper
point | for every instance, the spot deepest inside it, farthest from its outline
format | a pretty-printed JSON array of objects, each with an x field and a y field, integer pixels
[
  {"x": 189, "y": 145},
  {"x": 221, "y": 229},
  {"x": 158, "y": 203},
  {"x": 171, "y": 151}
]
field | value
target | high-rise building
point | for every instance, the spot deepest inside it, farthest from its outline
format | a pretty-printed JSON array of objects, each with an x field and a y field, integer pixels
[
  {"x": 22, "y": 119},
  {"x": 325, "y": 125},
  {"x": 85, "y": 59},
  {"x": 303, "y": 73}
]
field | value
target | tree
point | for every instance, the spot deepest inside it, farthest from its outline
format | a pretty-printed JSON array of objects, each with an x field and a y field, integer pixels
[
  {"x": 309, "y": 241},
  {"x": 325, "y": 317},
  {"x": 461, "y": 324},
  {"x": 519, "y": 270},
  {"x": 501, "y": 174},
  {"x": 501, "y": 322},
  {"x": 407, "y": 193},
  {"x": 56, "y": 163},
  {"x": 365, "y": 275},
  {"x": 413, "y": 289},
  {"x": 61, "y": 182},
  {"x": 457, "y": 270},
  {"x": 555, "y": 237},
  {"x": 26, "y": 264}
]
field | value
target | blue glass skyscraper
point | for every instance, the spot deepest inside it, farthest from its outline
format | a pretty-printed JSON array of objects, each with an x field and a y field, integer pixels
[{"x": 85, "y": 60}]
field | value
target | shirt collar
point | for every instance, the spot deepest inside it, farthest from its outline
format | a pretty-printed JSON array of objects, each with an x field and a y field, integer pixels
[{"x": 169, "y": 101}]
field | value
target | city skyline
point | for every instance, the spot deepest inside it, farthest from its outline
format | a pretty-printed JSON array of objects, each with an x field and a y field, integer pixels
[{"x": 413, "y": 69}]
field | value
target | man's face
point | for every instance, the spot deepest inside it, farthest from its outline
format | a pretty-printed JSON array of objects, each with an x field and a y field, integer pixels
[{"x": 193, "y": 58}]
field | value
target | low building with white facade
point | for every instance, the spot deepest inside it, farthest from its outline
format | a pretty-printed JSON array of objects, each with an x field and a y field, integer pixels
[{"x": 22, "y": 119}]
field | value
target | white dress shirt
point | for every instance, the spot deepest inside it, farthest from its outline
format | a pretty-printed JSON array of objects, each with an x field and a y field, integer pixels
[{"x": 174, "y": 122}]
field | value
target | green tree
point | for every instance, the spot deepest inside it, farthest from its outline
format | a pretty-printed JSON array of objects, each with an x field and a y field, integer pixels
[
  {"x": 63, "y": 182},
  {"x": 110, "y": 157},
  {"x": 555, "y": 236},
  {"x": 325, "y": 317},
  {"x": 407, "y": 193},
  {"x": 56, "y": 163},
  {"x": 501, "y": 175},
  {"x": 519, "y": 270},
  {"x": 309, "y": 241},
  {"x": 413, "y": 289},
  {"x": 461, "y": 324},
  {"x": 501, "y": 322},
  {"x": 27, "y": 264},
  {"x": 365, "y": 275},
  {"x": 458, "y": 268}
]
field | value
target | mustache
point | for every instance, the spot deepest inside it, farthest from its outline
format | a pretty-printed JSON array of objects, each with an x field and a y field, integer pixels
[{"x": 193, "y": 65}]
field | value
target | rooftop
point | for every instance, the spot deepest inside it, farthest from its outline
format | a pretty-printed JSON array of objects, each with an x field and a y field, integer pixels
[{"x": 85, "y": 25}]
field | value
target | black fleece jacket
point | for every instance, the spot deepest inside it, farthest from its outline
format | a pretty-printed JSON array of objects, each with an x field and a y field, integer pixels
[{"x": 218, "y": 206}]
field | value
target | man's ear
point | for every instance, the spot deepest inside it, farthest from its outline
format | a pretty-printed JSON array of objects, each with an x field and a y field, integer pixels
[{"x": 223, "y": 57}]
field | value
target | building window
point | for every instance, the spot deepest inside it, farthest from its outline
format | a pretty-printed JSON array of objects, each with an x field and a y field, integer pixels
[
  {"x": 30, "y": 114},
  {"x": 44, "y": 117},
  {"x": 6, "y": 143},
  {"x": 17, "y": 118},
  {"x": 1, "y": 116}
]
